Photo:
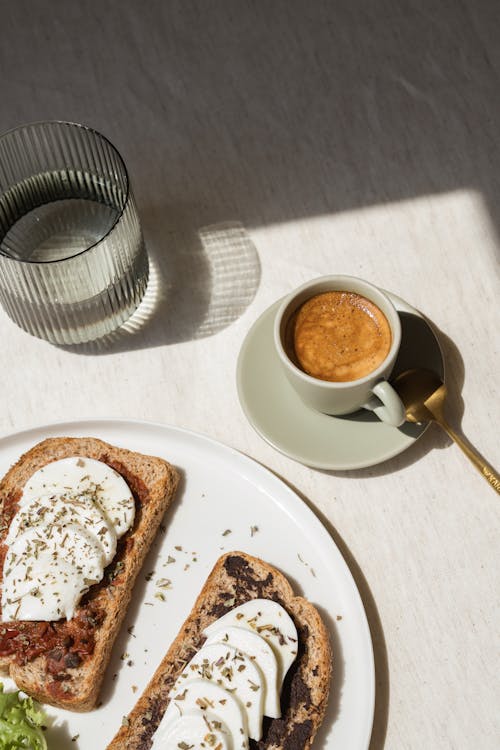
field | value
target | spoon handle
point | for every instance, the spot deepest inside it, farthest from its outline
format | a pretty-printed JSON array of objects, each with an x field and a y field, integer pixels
[{"x": 481, "y": 465}]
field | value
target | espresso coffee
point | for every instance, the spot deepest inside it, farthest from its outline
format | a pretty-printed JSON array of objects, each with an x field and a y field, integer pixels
[{"x": 338, "y": 336}]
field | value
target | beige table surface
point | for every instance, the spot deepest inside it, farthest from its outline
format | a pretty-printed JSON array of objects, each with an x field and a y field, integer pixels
[{"x": 341, "y": 137}]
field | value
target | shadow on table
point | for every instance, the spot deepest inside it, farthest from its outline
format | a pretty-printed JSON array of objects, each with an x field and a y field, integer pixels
[
  {"x": 269, "y": 115},
  {"x": 419, "y": 334},
  {"x": 199, "y": 283},
  {"x": 415, "y": 336}
]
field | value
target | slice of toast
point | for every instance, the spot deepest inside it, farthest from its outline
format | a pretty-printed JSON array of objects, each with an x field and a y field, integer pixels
[
  {"x": 63, "y": 674},
  {"x": 235, "y": 579}
]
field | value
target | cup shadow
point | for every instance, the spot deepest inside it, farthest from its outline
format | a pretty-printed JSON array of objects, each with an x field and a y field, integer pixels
[
  {"x": 200, "y": 282},
  {"x": 423, "y": 344}
]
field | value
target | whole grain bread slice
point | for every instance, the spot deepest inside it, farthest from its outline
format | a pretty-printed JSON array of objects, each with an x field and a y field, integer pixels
[
  {"x": 237, "y": 578},
  {"x": 57, "y": 678}
]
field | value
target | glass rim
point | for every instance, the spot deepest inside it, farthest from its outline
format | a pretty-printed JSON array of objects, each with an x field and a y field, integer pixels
[{"x": 90, "y": 129}]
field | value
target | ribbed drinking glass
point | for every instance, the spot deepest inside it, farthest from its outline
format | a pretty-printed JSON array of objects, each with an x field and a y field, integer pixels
[{"x": 73, "y": 266}]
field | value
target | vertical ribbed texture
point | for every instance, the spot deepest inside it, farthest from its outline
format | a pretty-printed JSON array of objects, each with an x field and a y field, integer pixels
[{"x": 64, "y": 181}]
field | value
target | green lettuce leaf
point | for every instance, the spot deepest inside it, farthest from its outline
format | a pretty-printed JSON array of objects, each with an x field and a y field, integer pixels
[{"x": 20, "y": 723}]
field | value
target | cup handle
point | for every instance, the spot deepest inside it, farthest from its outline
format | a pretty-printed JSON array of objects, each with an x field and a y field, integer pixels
[{"x": 386, "y": 404}]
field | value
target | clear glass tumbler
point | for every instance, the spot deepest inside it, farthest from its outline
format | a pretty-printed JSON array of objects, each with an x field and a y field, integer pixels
[{"x": 73, "y": 266}]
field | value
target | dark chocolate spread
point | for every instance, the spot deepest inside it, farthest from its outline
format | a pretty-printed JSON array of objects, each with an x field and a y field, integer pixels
[{"x": 295, "y": 692}]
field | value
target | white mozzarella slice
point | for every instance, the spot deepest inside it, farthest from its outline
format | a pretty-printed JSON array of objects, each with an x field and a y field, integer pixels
[
  {"x": 261, "y": 653},
  {"x": 195, "y": 731},
  {"x": 209, "y": 699},
  {"x": 46, "y": 572},
  {"x": 86, "y": 477},
  {"x": 269, "y": 620},
  {"x": 65, "y": 510},
  {"x": 237, "y": 673}
]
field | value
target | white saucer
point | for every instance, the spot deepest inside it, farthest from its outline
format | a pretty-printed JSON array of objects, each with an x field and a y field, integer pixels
[{"x": 336, "y": 443}]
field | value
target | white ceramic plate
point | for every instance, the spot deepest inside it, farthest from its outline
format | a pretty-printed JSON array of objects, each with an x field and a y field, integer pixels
[{"x": 221, "y": 490}]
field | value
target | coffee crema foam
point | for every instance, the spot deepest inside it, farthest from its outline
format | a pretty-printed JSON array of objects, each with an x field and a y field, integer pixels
[{"x": 338, "y": 336}]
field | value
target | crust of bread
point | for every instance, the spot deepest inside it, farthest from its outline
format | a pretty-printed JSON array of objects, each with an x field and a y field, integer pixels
[
  {"x": 236, "y": 578},
  {"x": 153, "y": 482}
]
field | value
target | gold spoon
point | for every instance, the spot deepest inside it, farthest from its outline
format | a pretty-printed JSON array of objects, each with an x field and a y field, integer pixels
[{"x": 423, "y": 394}]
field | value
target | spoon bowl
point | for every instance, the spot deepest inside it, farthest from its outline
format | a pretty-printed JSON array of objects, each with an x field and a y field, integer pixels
[{"x": 423, "y": 394}]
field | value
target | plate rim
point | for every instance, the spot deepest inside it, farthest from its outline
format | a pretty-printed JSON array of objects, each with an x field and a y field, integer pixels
[
  {"x": 300, "y": 505},
  {"x": 401, "y": 306}
]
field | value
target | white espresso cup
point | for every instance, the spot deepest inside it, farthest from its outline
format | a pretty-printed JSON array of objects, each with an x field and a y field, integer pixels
[{"x": 372, "y": 391}]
